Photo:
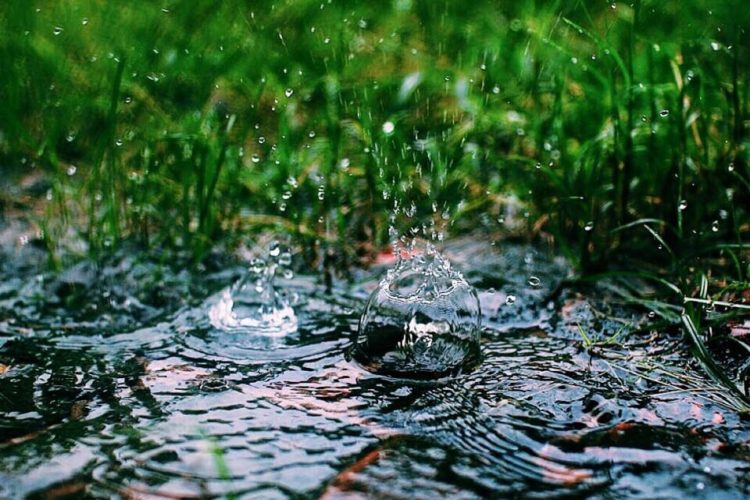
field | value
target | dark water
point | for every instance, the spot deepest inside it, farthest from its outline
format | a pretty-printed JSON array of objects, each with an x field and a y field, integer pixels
[{"x": 114, "y": 385}]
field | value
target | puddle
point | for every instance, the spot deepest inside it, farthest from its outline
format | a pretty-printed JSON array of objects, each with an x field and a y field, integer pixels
[{"x": 139, "y": 395}]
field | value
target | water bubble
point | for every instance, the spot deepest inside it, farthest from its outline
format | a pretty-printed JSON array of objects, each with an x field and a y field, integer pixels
[
  {"x": 589, "y": 226},
  {"x": 255, "y": 158},
  {"x": 423, "y": 321},
  {"x": 85, "y": 21},
  {"x": 510, "y": 300},
  {"x": 388, "y": 127},
  {"x": 683, "y": 205},
  {"x": 321, "y": 193},
  {"x": 288, "y": 92},
  {"x": 261, "y": 140},
  {"x": 57, "y": 30},
  {"x": 286, "y": 195},
  {"x": 664, "y": 113},
  {"x": 534, "y": 282},
  {"x": 71, "y": 170},
  {"x": 311, "y": 134},
  {"x": 495, "y": 89},
  {"x": 715, "y": 226},
  {"x": 730, "y": 167}
]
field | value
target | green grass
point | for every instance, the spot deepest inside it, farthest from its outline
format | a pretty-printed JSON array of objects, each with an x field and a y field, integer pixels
[{"x": 620, "y": 127}]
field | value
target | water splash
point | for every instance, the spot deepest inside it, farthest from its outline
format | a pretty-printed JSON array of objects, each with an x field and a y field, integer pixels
[
  {"x": 423, "y": 321},
  {"x": 252, "y": 304}
]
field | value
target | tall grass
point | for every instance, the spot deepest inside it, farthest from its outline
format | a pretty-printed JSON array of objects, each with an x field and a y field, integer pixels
[{"x": 619, "y": 126}]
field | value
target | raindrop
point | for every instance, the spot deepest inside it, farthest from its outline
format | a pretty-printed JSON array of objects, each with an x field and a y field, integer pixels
[
  {"x": 72, "y": 170},
  {"x": 534, "y": 282},
  {"x": 57, "y": 30},
  {"x": 683, "y": 205},
  {"x": 589, "y": 226},
  {"x": 715, "y": 46},
  {"x": 261, "y": 140},
  {"x": 715, "y": 226},
  {"x": 255, "y": 158},
  {"x": 286, "y": 195},
  {"x": 664, "y": 113},
  {"x": 311, "y": 134},
  {"x": 288, "y": 92},
  {"x": 510, "y": 300},
  {"x": 85, "y": 21},
  {"x": 388, "y": 127}
]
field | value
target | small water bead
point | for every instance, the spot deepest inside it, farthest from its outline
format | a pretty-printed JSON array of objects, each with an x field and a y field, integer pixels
[
  {"x": 255, "y": 158},
  {"x": 589, "y": 226},
  {"x": 57, "y": 30},
  {"x": 288, "y": 92},
  {"x": 664, "y": 113},
  {"x": 534, "y": 282},
  {"x": 261, "y": 140},
  {"x": 683, "y": 205},
  {"x": 72, "y": 170},
  {"x": 715, "y": 226},
  {"x": 286, "y": 195},
  {"x": 388, "y": 128},
  {"x": 274, "y": 249},
  {"x": 510, "y": 300}
]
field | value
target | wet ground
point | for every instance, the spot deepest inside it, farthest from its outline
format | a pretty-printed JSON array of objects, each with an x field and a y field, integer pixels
[{"x": 113, "y": 384}]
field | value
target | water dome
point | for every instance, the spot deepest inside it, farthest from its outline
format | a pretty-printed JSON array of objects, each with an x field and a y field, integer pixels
[
  {"x": 253, "y": 305},
  {"x": 422, "y": 322}
]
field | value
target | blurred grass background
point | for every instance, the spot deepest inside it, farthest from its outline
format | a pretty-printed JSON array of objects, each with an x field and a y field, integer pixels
[{"x": 616, "y": 130}]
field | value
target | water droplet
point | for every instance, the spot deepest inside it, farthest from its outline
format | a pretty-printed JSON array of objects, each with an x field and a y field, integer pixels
[
  {"x": 57, "y": 30},
  {"x": 664, "y": 113},
  {"x": 311, "y": 134},
  {"x": 261, "y": 140},
  {"x": 715, "y": 46},
  {"x": 72, "y": 170},
  {"x": 288, "y": 92},
  {"x": 286, "y": 195},
  {"x": 715, "y": 226},
  {"x": 730, "y": 167},
  {"x": 274, "y": 249},
  {"x": 589, "y": 226},
  {"x": 683, "y": 205},
  {"x": 534, "y": 282},
  {"x": 255, "y": 158},
  {"x": 388, "y": 127},
  {"x": 85, "y": 21},
  {"x": 510, "y": 300}
]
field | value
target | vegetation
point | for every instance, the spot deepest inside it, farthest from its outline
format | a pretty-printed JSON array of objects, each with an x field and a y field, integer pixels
[{"x": 616, "y": 130}]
